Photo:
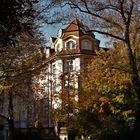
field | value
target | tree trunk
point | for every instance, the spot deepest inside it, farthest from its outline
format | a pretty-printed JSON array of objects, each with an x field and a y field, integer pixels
[
  {"x": 10, "y": 116},
  {"x": 135, "y": 79},
  {"x": 134, "y": 72}
]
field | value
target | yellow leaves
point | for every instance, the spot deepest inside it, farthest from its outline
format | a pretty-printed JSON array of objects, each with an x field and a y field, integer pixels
[
  {"x": 115, "y": 110},
  {"x": 127, "y": 113},
  {"x": 124, "y": 113},
  {"x": 109, "y": 69},
  {"x": 119, "y": 98},
  {"x": 5, "y": 88}
]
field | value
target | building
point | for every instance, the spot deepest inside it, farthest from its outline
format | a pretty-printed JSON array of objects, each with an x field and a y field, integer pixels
[
  {"x": 3, "y": 127},
  {"x": 69, "y": 53}
]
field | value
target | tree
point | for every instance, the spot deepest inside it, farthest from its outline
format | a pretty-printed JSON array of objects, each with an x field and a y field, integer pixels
[
  {"x": 108, "y": 91},
  {"x": 15, "y": 17},
  {"x": 117, "y": 19},
  {"x": 18, "y": 66},
  {"x": 20, "y": 54},
  {"x": 107, "y": 101}
]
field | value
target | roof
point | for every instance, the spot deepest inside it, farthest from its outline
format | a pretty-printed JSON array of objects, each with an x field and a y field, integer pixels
[
  {"x": 53, "y": 39},
  {"x": 77, "y": 25}
]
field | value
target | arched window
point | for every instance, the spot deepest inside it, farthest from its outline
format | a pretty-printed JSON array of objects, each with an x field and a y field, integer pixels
[
  {"x": 70, "y": 45},
  {"x": 86, "y": 45}
]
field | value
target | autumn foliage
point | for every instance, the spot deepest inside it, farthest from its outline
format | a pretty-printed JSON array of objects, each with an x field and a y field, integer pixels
[{"x": 108, "y": 91}]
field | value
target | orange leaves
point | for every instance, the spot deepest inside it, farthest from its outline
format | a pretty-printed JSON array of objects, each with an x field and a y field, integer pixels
[{"x": 104, "y": 104}]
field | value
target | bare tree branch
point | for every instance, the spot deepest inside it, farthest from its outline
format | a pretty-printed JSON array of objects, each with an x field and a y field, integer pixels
[
  {"x": 108, "y": 34},
  {"x": 87, "y": 11}
]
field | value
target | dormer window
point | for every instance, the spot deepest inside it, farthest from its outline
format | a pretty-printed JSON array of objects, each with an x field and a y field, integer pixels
[
  {"x": 86, "y": 45},
  {"x": 70, "y": 45}
]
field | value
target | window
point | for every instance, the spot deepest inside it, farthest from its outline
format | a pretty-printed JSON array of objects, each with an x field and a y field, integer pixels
[
  {"x": 70, "y": 45},
  {"x": 86, "y": 45},
  {"x": 53, "y": 69},
  {"x": 68, "y": 66},
  {"x": 68, "y": 84}
]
